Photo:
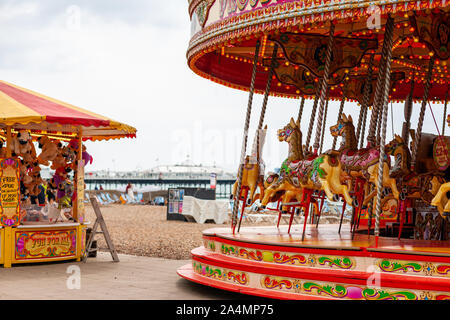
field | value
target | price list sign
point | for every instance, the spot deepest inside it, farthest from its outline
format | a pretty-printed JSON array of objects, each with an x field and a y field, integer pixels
[{"x": 9, "y": 189}]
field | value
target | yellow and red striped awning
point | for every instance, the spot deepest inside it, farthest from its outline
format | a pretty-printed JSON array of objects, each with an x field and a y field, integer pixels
[{"x": 24, "y": 109}]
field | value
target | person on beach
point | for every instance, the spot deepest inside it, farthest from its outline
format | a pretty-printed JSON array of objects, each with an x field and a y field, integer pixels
[{"x": 129, "y": 191}]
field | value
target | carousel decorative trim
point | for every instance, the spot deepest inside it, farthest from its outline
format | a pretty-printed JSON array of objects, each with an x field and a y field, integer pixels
[
  {"x": 422, "y": 268},
  {"x": 327, "y": 261},
  {"x": 346, "y": 291},
  {"x": 286, "y": 15},
  {"x": 222, "y": 274},
  {"x": 284, "y": 258}
]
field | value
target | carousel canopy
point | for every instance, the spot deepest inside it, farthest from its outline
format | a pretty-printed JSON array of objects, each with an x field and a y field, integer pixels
[
  {"x": 224, "y": 36},
  {"x": 24, "y": 109}
]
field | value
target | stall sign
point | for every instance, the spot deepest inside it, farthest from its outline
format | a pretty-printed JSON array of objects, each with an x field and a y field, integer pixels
[
  {"x": 45, "y": 244},
  {"x": 441, "y": 153},
  {"x": 80, "y": 191},
  {"x": 175, "y": 203},
  {"x": 9, "y": 189}
]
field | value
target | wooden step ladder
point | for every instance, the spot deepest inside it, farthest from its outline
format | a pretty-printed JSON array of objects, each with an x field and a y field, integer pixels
[{"x": 99, "y": 222}]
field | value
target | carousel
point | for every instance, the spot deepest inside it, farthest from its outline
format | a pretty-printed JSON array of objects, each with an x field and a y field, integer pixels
[
  {"x": 43, "y": 221},
  {"x": 377, "y": 54}
]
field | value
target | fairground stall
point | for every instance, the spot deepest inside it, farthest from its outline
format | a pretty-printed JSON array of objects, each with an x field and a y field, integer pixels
[
  {"x": 375, "y": 53},
  {"x": 43, "y": 218}
]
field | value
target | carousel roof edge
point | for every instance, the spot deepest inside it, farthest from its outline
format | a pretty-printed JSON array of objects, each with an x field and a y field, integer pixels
[{"x": 289, "y": 14}]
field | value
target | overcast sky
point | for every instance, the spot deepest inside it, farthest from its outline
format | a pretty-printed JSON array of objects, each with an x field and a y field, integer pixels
[{"x": 127, "y": 60}]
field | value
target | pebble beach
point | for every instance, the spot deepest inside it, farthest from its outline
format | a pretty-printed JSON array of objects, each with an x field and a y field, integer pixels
[{"x": 143, "y": 230}]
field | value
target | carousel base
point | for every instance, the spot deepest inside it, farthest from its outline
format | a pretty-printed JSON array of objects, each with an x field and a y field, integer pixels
[{"x": 269, "y": 262}]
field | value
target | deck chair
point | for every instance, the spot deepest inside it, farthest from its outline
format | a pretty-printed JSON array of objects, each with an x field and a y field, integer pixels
[
  {"x": 123, "y": 199},
  {"x": 115, "y": 197},
  {"x": 139, "y": 198},
  {"x": 100, "y": 200},
  {"x": 130, "y": 200},
  {"x": 111, "y": 200},
  {"x": 104, "y": 198}
]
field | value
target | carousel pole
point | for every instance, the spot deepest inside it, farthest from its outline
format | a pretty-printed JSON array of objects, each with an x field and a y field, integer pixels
[
  {"x": 324, "y": 87},
  {"x": 378, "y": 127},
  {"x": 341, "y": 109},
  {"x": 366, "y": 96},
  {"x": 363, "y": 129},
  {"x": 445, "y": 112},
  {"x": 265, "y": 100},
  {"x": 384, "y": 108},
  {"x": 263, "y": 111},
  {"x": 324, "y": 125},
  {"x": 313, "y": 115},
  {"x": 244, "y": 140},
  {"x": 408, "y": 111},
  {"x": 378, "y": 91},
  {"x": 418, "y": 136},
  {"x": 300, "y": 111}
]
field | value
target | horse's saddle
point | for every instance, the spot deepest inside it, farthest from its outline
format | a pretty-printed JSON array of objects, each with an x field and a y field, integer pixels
[{"x": 359, "y": 159}]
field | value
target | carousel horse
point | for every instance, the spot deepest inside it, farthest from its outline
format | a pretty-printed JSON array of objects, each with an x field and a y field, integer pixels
[
  {"x": 418, "y": 185},
  {"x": 360, "y": 164},
  {"x": 300, "y": 177},
  {"x": 425, "y": 163},
  {"x": 314, "y": 173},
  {"x": 252, "y": 173},
  {"x": 441, "y": 201},
  {"x": 423, "y": 186},
  {"x": 286, "y": 186},
  {"x": 425, "y": 160}
]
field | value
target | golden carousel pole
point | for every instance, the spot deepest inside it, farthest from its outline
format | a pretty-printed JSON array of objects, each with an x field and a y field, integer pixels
[
  {"x": 324, "y": 87},
  {"x": 371, "y": 138},
  {"x": 388, "y": 40},
  {"x": 263, "y": 111},
  {"x": 300, "y": 110},
  {"x": 445, "y": 113},
  {"x": 341, "y": 109},
  {"x": 408, "y": 112},
  {"x": 324, "y": 124},
  {"x": 365, "y": 104},
  {"x": 244, "y": 140},
  {"x": 363, "y": 118},
  {"x": 418, "y": 136},
  {"x": 313, "y": 115}
]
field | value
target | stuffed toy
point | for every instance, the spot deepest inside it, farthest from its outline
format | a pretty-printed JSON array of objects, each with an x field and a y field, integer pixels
[
  {"x": 32, "y": 180},
  {"x": 58, "y": 162},
  {"x": 49, "y": 149},
  {"x": 22, "y": 145},
  {"x": 86, "y": 156},
  {"x": 58, "y": 182},
  {"x": 71, "y": 152}
]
